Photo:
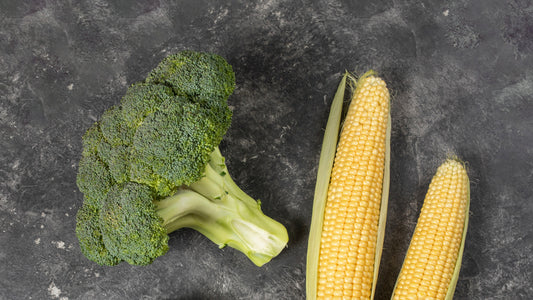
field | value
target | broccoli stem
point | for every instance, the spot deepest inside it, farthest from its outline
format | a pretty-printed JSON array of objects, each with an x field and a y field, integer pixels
[{"x": 216, "y": 207}]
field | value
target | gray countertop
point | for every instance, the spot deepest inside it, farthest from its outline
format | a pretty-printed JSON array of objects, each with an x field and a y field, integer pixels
[{"x": 461, "y": 79}]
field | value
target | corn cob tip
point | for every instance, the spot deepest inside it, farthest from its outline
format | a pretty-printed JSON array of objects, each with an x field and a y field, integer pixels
[
  {"x": 456, "y": 158},
  {"x": 454, "y": 163},
  {"x": 355, "y": 82}
]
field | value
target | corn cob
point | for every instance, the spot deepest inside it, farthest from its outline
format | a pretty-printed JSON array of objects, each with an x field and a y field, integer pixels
[
  {"x": 431, "y": 266},
  {"x": 353, "y": 221}
]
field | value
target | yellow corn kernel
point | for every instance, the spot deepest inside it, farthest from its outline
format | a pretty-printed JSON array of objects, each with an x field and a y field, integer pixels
[
  {"x": 349, "y": 234},
  {"x": 435, "y": 248}
]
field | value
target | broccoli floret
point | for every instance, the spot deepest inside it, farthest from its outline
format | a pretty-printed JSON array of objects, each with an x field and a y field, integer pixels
[
  {"x": 195, "y": 74},
  {"x": 117, "y": 160},
  {"x": 176, "y": 157},
  {"x": 90, "y": 236},
  {"x": 91, "y": 139},
  {"x": 151, "y": 165},
  {"x": 142, "y": 99},
  {"x": 114, "y": 129},
  {"x": 93, "y": 179},
  {"x": 131, "y": 228}
]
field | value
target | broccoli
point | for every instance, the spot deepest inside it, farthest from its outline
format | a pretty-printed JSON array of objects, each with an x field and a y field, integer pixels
[{"x": 151, "y": 165}]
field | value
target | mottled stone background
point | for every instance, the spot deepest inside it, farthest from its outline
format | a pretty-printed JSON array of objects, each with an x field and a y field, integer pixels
[{"x": 461, "y": 77}]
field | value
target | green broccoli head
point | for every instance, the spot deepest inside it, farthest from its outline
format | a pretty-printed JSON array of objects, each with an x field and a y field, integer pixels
[
  {"x": 195, "y": 74},
  {"x": 160, "y": 140},
  {"x": 161, "y": 136}
]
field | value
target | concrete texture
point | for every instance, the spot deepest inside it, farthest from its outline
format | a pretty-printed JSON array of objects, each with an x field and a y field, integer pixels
[{"x": 461, "y": 77}]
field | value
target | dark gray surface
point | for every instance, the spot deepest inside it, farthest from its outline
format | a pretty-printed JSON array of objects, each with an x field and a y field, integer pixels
[{"x": 461, "y": 76}]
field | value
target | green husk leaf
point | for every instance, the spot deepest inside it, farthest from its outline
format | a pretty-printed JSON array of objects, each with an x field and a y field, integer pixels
[
  {"x": 327, "y": 156},
  {"x": 455, "y": 277}
]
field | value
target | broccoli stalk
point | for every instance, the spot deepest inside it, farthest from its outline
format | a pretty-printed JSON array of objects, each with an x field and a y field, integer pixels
[{"x": 216, "y": 207}]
